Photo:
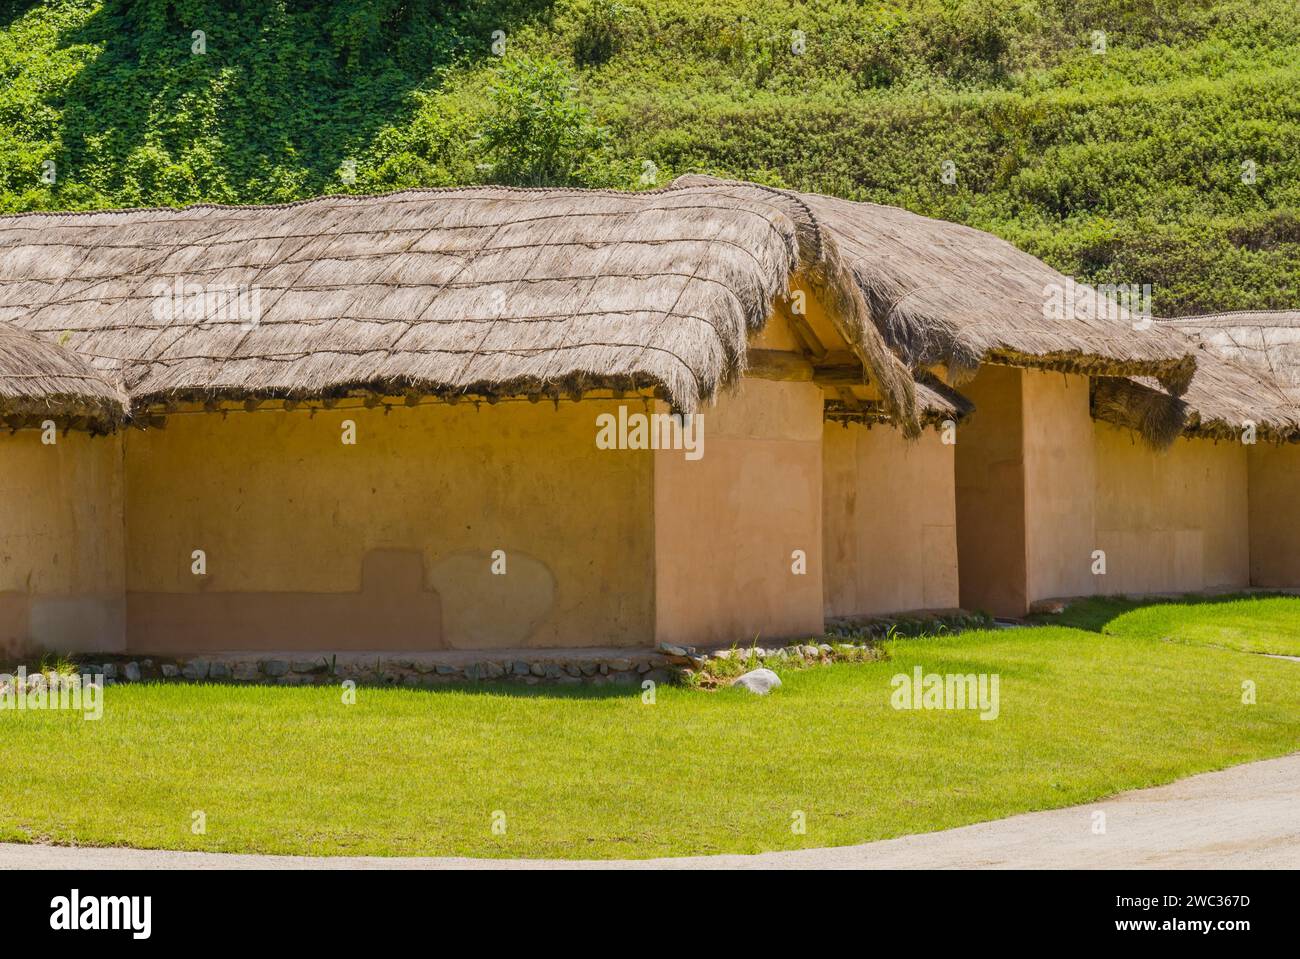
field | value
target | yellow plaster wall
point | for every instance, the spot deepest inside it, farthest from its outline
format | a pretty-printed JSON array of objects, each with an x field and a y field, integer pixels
[
  {"x": 61, "y": 555},
  {"x": 777, "y": 333},
  {"x": 890, "y": 521},
  {"x": 1026, "y": 476},
  {"x": 726, "y": 525},
  {"x": 313, "y": 544},
  {"x": 990, "y": 489},
  {"x": 1274, "y": 473},
  {"x": 1060, "y": 484},
  {"x": 1175, "y": 520}
]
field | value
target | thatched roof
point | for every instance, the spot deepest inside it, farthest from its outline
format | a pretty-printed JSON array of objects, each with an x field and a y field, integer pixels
[
  {"x": 40, "y": 379},
  {"x": 942, "y": 293},
  {"x": 936, "y": 403},
  {"x": 1268, "y": 340},
  {"x": 1232, "y": 388},
  {"x": 488, "y": 289}
]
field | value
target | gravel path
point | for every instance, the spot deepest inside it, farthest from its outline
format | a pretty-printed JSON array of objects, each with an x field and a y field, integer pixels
[{"x": 1246, "y": 817}]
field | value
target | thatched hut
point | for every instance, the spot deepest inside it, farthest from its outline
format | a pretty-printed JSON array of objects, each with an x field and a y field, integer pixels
[
  {"x": 59, "y": 484},
  {"x": 1263, "y": 407},
  {"x": 386, "y": 422},
  {"x": 1101, "y": 439},
  {"x": 460, "y": 419},
  {"x": 1023, "y": 343},
  {"x": 1174, "y": 484}
]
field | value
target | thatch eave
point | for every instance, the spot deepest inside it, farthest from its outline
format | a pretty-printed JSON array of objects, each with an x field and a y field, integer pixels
[
  {"x": 41, "y": 381},
  {"x": 1175, "y": 377},
  {"x": 944, "y": 294},
  {"x": 938, "y": 405},
  {"x": 1225, "y": 400}
]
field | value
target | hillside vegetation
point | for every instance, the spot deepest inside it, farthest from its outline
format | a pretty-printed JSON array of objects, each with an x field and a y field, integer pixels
[{"x": 1124, "y": 141}]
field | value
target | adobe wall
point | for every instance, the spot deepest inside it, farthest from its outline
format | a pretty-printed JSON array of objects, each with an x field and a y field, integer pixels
[
  {"x": 1060, "y": 485},
  {"x": 727, "y": 524},
  {"x": 1026, "y": 472},
  {"x": 61, "y": 563},
  {"x": 890, "y": 521},
  {"x": 990, "y": 492},
  {"x": 1170, "y": 521},
  {"x": 388, "y": 544},
  {"x": 1274, "y": 476}
]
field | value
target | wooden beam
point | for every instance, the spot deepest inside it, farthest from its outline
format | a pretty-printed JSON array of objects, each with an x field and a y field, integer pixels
[
  {"x": 839, "y": 375},
  {"x": 849, "y": 399},
  {"x": 804, "y": 332},
  {"x": 778, "y": 365}
]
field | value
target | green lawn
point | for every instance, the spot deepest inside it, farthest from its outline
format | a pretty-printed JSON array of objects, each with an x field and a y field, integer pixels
[
  {"x": 595, "y": 773},
  {"x": 1252, "y": 624}
]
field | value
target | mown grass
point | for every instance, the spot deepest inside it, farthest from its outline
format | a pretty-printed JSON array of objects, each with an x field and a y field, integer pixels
[
  {"x": 1251, "y": 624},
  {"x": 600, "y": 774}
]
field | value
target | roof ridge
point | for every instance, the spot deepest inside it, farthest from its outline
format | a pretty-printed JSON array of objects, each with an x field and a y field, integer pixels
[
  {"x": 1295, "y": 310},
  {"x": 468, "y": 188}
]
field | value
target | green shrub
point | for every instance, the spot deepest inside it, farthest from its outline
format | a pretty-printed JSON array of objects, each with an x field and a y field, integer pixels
[
  {"x": 601, "y": 30},
  {"x": 536, "y": 132}
]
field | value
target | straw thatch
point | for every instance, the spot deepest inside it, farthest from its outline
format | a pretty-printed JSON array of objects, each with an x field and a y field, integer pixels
[
  {"x": 486, "y": 290},
  {"x": 1267, "y": 339},
  {"x": 1226, "y": 395},
  {"x": 936, "y": 403},
  {"x": 942, "y": 293},
  {"x": 1140, "y": 406},
  {"x": 40, "y": 380}
]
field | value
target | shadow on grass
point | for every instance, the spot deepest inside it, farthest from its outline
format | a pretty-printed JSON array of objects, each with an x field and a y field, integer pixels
[
  {"x": 540, "y": 691},
  {"x": 509, "y": 690},
  {"x": 1097, "y": 612}
]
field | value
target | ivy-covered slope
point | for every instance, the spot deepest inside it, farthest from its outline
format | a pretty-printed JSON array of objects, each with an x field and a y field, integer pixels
[{"x": 1124, "y": 141}]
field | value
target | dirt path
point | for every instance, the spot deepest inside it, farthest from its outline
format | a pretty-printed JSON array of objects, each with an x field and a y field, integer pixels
[{"x": 1246, "y": 817}]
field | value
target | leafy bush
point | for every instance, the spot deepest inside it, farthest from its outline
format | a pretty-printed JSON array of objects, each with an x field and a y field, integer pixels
[
  {"x": 600, "y": 32},
  {"x": 536, "y": 133}
]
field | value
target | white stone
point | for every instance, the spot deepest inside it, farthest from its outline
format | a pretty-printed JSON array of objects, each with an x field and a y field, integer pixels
[{"x": 759, "y": 681}]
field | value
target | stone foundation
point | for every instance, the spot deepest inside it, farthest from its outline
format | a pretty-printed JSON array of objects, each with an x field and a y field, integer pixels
[
  {"x": 846, "y": 640},
  {"x": 384, "y": 670},
  {"x": 666, "y": 664}
]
